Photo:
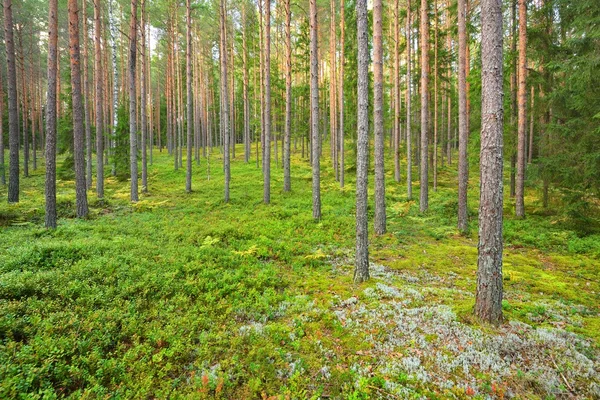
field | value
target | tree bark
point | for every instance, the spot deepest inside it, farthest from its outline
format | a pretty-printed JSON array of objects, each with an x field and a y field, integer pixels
[
  {"x": 188, "y": 70},
  {"x": 86, "y": 95},
  {"x": 424, "y": 42},
  {"x": 380, "y": 222},
  {"x": 488, "y": 304},
  {"x": 463, "y": 134},
  {"x": 314, "y": 115},
  {"x": 396, "y": 93},
  {"x": 435, "y": 99},
  {"x": 408, "y": 106},
  {"x": 78, "y": 131},
  {"x": 225, "y": 101},
  {"x": 50, "y": 183},
  {"x": 144, "y": 101},
  {"x": 99, "y": 101},
  {"x": 288, "y": 97},
  {"x": 245, "y": 88},
  {"x": 267, "y": 149},
  {"x": 530, "y": 147},
  {"x": 522, "y": 107},
  {"x": 341, "y": 93},
  {"x": 361, "y": 269},
  {"x": 133, "y": 102}
]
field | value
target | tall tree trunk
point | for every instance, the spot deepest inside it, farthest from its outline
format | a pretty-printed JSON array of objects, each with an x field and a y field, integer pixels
[
  {"x": 332, "y": 96},
  {"x": 113, "y": 44},
  {"x": 2, "y": 168},
  {"x": 435, "y": 99},
  {"x": 245, "y": 88},
  {"x": 288, "y": 97},
  {"x": 522, "y": 106},
  {"x": 396, "y": 93},
  {"x": 408, "y": 105},
  {"x": 341, "y": 92},
  {"x": 378, "y": 118},
  {"x": 225, "y": 101},
  {"x": 424, "y": 180},
  {"x": 51, "y": 115},
  {"x": 78, "y": 131},
  {"x": 361, "y": 268},
  {"x": 530, "y": 148},
  {"x": 267, "y": 149},
  {"x": 133, "y": 102},
  {"x": 24, "y": 106},
  {"x": 463, "y": 134},
  {"x": 488, "y": 303},
  {"x": 188, "y": 71},
  {"x": 314, "y": 114},
  {"x": 99, "y": 101},
  {"x": 86, "y": 96},
  {"x": 13, "y": 113},
  {"x": 144, "y": 101}
]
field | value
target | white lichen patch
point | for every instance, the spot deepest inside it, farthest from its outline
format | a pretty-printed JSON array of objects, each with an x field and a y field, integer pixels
[{"x": 411, "y": 336}]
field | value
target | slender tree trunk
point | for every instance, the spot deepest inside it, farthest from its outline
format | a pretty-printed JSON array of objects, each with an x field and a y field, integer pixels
[
  {"x": 24, "y": 106},
  {"x": 314, "y": 94},
  {"x": 408, "y": 105},
  {"x": 435, "y": 99},
  {"x": 113, "y": 44},
  {"x": 522, "y": 106},
  {"x": 2, "y": 166},
  {"x": 380, "y": 222},
  {"x": 332, "y": 95},
  {"x": 188, "y": 70},
  {"x": 51, "y": 115},
  {"x": 225, "y": 101},
  {"x": 463, "y": 134},
  {"x": 513, "y": 97},
  {"x": 361, "y": 269},
  {"x": 288, "y": 97},
  {"x": 13, "y": 113},
  {"x": 488, "y": 303},
  {"x": 245, "y": 88},
  {"x": 144, "y": 101},
  {"x": 99, "y": 100},
  {"x": 424, "y": 180},
  {"x": 341, "y": 93},
  {"x": 396, "y": 80},
  {"x": 78, "y": 131},
  {"x": 267, "y": 149},
  {"x": 530, "y": 148},
  {"x": 133, "y": 102},
  {"x": 86, "y": 96}
]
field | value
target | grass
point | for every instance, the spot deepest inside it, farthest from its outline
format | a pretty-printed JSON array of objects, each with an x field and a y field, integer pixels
[{"x": 184, "y": 296}]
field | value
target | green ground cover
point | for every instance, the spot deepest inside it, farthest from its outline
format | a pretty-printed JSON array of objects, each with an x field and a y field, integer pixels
[{"x": 183, "y": 296}]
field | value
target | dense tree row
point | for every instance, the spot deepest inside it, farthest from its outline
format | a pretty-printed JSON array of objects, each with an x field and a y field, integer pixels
[{"x": 282, "y": 77}]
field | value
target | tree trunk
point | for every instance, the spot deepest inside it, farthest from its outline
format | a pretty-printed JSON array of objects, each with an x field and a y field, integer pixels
[
  {"x": 113, "y": 44},
  {"x": 341, "y": 93},
  {"x": 86, "y": 95},
  {"x": 361, "y": 269},
  {"x": 378, "y": 118},
  {"x": 522, "y": 117},
  {"x": 225, "y": 101},
  {"x": 245, "y": 88},
  {"x": 51, "y": 115},
  {"x": 332, "y": 87},
  {"x": 314, "y": 115},
  {"x": 133, "y": 102},
  {"x": 24, "y": 106},
  {"x": 488, "y": 304},
  {"x": 288, "y": 97},
  {"x": 463, "y": 134},
  {"x": 78, "y": 131},
  {"x": 2, "y": 169},
  {"x": 396, "y": 93},
  {"x": 99, "y": 100},
  {"x": 435, "y": 99},
  {"x": 267, "y": 149},
  {"x": 143, "y": 101},
  {"x": 530, "y": 148},
  {"x": 188, "y": 71},
  {"x": 424, "y": 42},
  {"x": 408, "y": 106}
]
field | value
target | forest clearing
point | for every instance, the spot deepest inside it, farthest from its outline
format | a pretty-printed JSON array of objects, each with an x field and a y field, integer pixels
[{"x": 324, "y": 199}]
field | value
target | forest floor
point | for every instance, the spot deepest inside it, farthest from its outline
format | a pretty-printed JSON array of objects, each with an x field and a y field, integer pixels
[{"x": 183, "y": 296}]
